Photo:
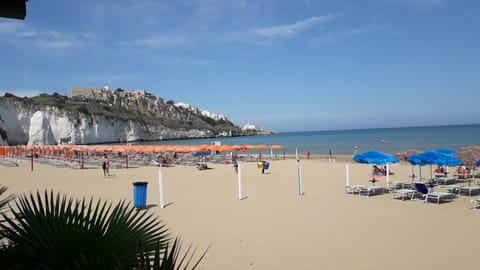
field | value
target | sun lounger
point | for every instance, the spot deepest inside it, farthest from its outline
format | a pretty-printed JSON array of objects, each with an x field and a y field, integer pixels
[
  {"x": 371, "y": 190},
  {"x": 437, "y": 197},
  {"x": 472, "y": 190},
  {"x": 403, "y": 194},
  {"x": 451, "y": 188},
  {"x": 402, "y": 185},
  {"x": 354, "y": 189},
  {"x": 9, "y": 162},
  {"x": 446, "y": 180},
  {"x": 476, "y": 203}
]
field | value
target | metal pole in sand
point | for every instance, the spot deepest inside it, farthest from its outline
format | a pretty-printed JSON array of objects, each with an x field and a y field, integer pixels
[
  {"x": 296, "y": 154},
  {"x": 160, "y": 186},
  {"x": 240, "y": 196},
  {"x": 31, "y": 156},
  {"x": 347, "y": 173},
  {"x": 299, "y": 175},
  {"x": 388, "y": 175}
]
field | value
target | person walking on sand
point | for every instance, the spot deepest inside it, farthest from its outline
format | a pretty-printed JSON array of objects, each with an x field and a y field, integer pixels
[
  {"x": 235, "y": 165},
  {"x": 105, "y": 165}
]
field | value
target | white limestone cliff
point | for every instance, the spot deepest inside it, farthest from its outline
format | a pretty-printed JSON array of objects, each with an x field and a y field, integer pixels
[
  {"x": 26, "y": 124},
  {"x": 3, "y": 133}
]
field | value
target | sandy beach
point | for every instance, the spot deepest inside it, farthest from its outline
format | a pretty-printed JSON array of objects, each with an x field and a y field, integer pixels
[{"x": 275, "y": 228}]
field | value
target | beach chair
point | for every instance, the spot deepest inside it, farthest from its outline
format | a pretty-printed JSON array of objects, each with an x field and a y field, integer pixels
[
  {"x": 422, "y": 190},
  {"x": 476, "y": 203},
  {"x": 446, "y": 180},
  {"x": 471, "y": 190},
  {"x": 354, "y": 189},
  {"x": 403, "y": 194},
  {"x": 371, "y": 190}
]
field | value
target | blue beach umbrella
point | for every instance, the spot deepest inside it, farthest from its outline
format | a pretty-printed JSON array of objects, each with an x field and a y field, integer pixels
[
  {"x": 416, "y": 160},
  {"x": 447, "y": 151},
  {"x": 375, "y": 157},
  {"x": 438, "y": 158}
]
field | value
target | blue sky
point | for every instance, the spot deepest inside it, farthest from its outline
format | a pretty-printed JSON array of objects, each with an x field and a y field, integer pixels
[{"x": 286, "y": 65}]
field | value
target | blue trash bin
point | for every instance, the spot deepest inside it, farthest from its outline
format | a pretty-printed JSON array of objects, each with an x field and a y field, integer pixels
[
  {"x": 266, "y": 165},
  {"x": 140, "y": 194}
]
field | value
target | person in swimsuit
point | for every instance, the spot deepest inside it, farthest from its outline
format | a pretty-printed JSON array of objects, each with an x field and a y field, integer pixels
[{"x": 105, "y": 166}]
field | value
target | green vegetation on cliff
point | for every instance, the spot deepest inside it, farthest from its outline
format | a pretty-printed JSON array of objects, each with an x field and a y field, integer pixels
[{"x": 166, "y": 114}]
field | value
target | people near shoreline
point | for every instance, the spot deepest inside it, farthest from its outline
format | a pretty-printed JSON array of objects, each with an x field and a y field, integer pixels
[
  {"x": 384, "y": 171},
  {"x": 462, "y": 172},
  {"x": 381, "y": 171},
  {"x": 235, "y": 164},
  {"x": 439, "y": 169},
  {"x": 202, "y": 166},
  {"x": 105, "y": 165}
]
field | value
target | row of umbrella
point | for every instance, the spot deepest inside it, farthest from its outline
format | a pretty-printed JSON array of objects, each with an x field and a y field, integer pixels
[
  {"x": 4, "y": 150},
  {"x": 439, "y": 157}
]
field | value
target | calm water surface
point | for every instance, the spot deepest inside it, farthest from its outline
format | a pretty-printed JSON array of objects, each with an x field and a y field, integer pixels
[{"x": 389, "y": 140}]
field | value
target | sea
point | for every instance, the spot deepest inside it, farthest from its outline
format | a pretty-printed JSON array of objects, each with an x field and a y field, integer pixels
[{"x": 345, "y": 142}]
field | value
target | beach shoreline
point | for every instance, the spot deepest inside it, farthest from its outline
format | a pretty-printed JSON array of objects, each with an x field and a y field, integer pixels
[{"x": 273, "y": 227}]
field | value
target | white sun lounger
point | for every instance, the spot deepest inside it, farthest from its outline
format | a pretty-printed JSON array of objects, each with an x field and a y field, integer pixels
[
  {"x": 446, "y": 180},
  {"x": 354, "y": 189},
  {"x": 403, "y": 194},
  {"x": 435, "y": 196},
  {"x": 469, "y": 190},
  {"x": 371, "y": 190},
  {"x": 476, "y": 203}
]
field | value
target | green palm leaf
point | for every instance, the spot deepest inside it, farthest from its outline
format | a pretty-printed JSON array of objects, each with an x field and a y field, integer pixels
[
  {"x": 4, "y": 202},
  {"x": 56, "y": 232},
  {"x": 171, "y": 259}
]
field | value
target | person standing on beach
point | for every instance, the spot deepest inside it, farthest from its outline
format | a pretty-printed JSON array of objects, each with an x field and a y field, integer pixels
[
  {"x": 235, "y": 165},
  {"x": 105, "y": 165}
]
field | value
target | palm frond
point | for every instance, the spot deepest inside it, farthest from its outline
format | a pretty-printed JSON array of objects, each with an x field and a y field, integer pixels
[
  {"x": 170, "y": 258},
  {"x": 59, "y": 232},
  {"x": 4, "y": 202}
]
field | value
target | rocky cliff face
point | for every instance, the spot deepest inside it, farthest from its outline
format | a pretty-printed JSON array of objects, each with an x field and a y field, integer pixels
[
  {"x": 34, "y": 124},
  {"x": 3, "y": 133}
]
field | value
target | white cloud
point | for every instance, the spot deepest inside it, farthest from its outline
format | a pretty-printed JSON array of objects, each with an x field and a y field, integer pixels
[
  {"x": 287, "y": 30},
  {"x": 163, "y": 41},
  {"x": 9, "y": 27},
  {"x": 413, "y": 3},
  {"x": 359, "y": 31},
  {"x": 42, "y": 39}
]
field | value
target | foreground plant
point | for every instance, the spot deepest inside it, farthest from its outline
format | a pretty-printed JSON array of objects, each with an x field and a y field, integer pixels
[
  {"x": 4, "y": 201},
  {"x": 54, "y": 232}
]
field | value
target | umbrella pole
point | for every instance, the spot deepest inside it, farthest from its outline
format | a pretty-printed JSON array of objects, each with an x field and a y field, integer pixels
[
  {"x": 160, "y": 187},
  {"x": 373, "y": 176},
  {"x": 431, "y": 173},
  {"x": 388, "y": 176},
  {"x": 347, "y": 173},
  {"x": 473, "y": 175},
  {"x": 413, "y": 173},
  {"x": 239, "y": 175},
  {"x": 299, "y": 176}
]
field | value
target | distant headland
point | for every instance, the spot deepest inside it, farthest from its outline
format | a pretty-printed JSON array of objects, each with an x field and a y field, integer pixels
[{"x": 98, "y": 115}]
